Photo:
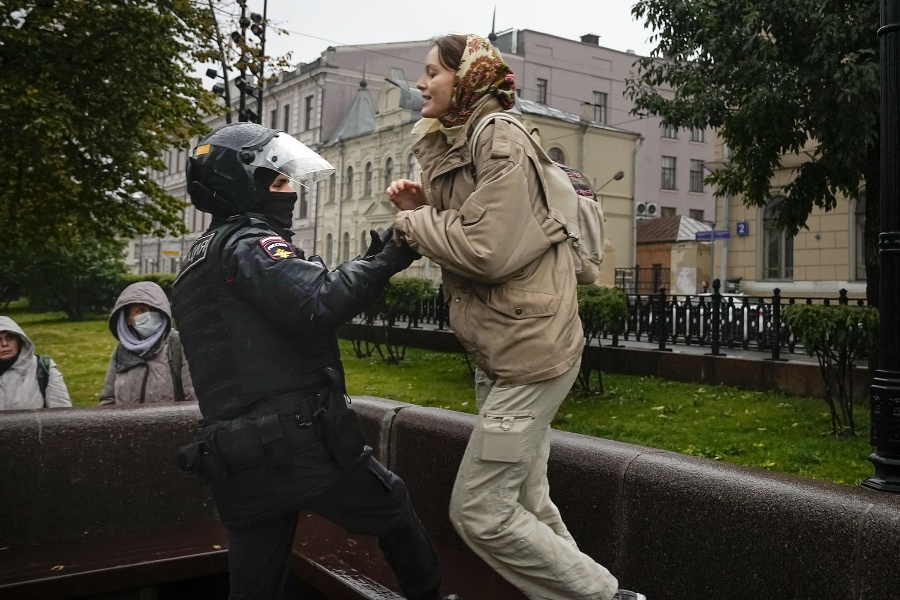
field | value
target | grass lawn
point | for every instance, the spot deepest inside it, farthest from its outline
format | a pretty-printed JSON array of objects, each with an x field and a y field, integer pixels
[{"x": 766, "y": 430}]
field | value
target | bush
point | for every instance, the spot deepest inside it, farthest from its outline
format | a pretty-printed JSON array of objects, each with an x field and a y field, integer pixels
[
  {"x": 602, "y": 310},
  {"x": 836, "y": 336}
]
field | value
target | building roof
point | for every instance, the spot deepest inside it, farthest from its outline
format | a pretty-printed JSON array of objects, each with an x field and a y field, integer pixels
[
  {"x": 669, "y": 229},
  {"x": 360, "y": 118},
  {"x": 530, "y": 107}
]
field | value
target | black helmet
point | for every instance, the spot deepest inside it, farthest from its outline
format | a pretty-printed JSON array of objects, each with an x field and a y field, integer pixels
[{"x": 221, "y": 169}]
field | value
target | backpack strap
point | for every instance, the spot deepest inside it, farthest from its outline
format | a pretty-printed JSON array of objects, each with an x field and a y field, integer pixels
[
  {"x": 43, "y": 374},
  {"x": 176, "y": 362}
]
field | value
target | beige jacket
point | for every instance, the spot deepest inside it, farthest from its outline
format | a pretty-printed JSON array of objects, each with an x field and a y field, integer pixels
[{"x": 509, "y": 282}]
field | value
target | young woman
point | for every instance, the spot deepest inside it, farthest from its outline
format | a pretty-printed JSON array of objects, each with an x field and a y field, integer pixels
[{"x": 511, "y": 289}]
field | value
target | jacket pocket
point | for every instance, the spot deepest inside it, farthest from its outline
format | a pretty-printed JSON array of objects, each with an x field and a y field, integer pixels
[
  {"x": 523, "y": 304},
  {"x": 505, "y": 434}
]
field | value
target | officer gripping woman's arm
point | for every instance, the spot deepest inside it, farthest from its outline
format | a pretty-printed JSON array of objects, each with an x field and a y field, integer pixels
[{"x": 258, "y": 325}]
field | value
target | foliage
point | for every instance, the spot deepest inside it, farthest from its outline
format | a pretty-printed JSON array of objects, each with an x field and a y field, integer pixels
[
  {"x": 602, "y": 310},
  {"x": 13, "y": 261},
  {"x": 776, "y": 78},
  {"x": 836, "y": 336},
  {"x": 87, "y": 115},
  {"x": 75, "y": 272},
  {"x": 402, "y": 300}
]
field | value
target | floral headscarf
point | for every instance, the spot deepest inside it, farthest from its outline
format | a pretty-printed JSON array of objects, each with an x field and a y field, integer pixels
[{"x": 481, "y": 72}]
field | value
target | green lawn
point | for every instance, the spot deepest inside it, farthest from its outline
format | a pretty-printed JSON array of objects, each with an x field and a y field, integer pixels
[{"x": 766, "y": 430}]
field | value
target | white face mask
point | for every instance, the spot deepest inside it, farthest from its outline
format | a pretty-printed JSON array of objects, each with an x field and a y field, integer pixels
[{"x": 146, "y": 324}]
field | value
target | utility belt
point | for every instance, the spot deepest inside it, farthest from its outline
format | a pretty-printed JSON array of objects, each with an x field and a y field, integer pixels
[{"x": 274, "y": 430}]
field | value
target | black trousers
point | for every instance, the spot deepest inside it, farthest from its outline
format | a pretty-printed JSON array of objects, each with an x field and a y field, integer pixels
[{"x": 369, "y": 500}]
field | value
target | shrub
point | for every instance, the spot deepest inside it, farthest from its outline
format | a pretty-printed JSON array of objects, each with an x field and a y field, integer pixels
[
  {"x": 602, "y": 310},
  {"x": 836, "y": 336}
]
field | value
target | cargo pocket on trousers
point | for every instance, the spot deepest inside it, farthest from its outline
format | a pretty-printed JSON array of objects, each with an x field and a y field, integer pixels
[{"x": 505, "y": 433}]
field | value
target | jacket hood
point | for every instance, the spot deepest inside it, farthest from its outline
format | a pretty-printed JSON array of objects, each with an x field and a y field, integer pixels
[
  {"x": 27, "y": 349},
  {"x": 145, "y": 292}
]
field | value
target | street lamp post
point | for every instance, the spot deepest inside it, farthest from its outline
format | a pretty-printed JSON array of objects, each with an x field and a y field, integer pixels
[{"x": 885, "y": 389}]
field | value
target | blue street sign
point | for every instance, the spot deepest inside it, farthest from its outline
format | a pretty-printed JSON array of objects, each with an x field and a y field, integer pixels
[{"x": 705, "y": 236}]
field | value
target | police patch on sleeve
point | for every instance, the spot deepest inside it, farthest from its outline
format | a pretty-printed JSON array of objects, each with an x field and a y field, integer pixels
[{"x": 277, "y": 248}]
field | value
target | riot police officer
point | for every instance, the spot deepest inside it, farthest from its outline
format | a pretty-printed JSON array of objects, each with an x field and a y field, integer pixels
[{"x": 258, "y": 324}]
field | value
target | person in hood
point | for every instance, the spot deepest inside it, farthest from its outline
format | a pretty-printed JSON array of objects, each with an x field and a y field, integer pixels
[
  {"x": 147, "y": 364},
  {"x": 19, "y": 387}
]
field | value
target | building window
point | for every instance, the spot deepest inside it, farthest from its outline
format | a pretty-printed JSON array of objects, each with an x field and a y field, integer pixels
[
  {"x": 367, "y": 180},
  {"x": 698, "y": 135},
  {"x": 308, "y": 121},
  {"x": 778, "y": 259},
  {"x": 669, "y": 131},
  {"x": 542, "y": 91},
  {"x": 696, "y": 175},
  {"x": 345, "y": 247},
  {"x": 363, "y": 242},
  {"x": 557, "y": 155},
  {"x": 668, "y": 173},
  {"x": 287, "y": 118},
  {"x": 332, "y": 187},
  {"x": 273, "y": 122},
  {"x": 304, "y": 202},
  {"x": 349, "y": 184},
  {"x": 695, "y": 214},
  {"x": 667, "y": 211},
  {"x": 600, "y": 107},
  {"x": 859, "y": 243},
  {"x": 388, "y": 171},
  {"x": 412, "y": 171},
  {"x": 329, "y": 246}
]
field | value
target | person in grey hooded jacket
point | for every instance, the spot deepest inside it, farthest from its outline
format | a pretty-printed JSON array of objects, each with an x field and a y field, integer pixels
[
  {"x": 147, "y": 364},
  {"x": 18, "y": 373}
]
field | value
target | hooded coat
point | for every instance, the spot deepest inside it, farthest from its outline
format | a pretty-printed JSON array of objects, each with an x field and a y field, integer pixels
[
  {"x": 132, "y": 378},
  {"x": 19, "y": 385}
]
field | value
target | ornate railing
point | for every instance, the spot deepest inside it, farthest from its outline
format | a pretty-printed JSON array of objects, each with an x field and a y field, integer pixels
[{"x": 715, "y": 320}]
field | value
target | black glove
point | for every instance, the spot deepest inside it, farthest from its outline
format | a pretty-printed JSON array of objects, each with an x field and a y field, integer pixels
[
  {"x": 378, "y": 242},
  {"x": 399, "y": 257}
]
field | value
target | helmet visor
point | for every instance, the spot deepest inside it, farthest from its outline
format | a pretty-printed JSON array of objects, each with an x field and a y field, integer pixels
[{"x": 293, "y": 159}]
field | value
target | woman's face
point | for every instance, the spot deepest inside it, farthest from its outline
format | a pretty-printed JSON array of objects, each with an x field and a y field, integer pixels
[
  {"x": 134, "y": 310},
  {"x": 436, "y": 85},
  {"x": 9, "y": 345}
]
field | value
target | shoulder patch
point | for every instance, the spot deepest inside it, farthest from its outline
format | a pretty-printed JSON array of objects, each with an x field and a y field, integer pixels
[
  {"x": 277, "y": 248},
  {"x": 197, "y": 254}
]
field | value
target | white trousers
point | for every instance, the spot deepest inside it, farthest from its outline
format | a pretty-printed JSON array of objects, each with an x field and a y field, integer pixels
[{"x": 501, "y": 503}]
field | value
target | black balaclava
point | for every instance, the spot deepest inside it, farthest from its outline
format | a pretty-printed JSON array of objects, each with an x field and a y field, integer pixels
[{"x": 277, "y": 206}]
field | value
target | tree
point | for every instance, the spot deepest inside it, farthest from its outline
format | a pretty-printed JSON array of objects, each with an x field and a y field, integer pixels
[
  {"x": 88, "y": 112},
  {"x": 773, "y": 76},
  {"x": 76, "y": 272}
]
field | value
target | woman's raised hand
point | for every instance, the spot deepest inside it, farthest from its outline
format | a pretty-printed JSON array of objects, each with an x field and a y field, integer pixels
[{"x": 406, "y": 194}]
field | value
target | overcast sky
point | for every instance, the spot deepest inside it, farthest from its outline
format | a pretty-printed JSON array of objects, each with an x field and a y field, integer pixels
[{"x": 314, "y": 26}]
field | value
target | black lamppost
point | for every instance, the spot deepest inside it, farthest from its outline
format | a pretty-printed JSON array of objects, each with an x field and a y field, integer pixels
[
  {"x": 885, "y": 390},
  {"x": 246, "y": 61}
]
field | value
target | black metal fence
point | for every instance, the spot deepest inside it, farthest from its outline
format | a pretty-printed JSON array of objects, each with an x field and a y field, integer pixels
[{"x": 713, "y": 320}]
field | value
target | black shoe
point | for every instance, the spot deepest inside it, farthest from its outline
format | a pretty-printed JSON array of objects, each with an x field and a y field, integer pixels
[
  {"x": 453, "y": 597},
  {"x": 628, "y": 595}
]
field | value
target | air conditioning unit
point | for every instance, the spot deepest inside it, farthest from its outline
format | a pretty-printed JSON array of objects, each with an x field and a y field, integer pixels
[{"x": 646, "y": 210}]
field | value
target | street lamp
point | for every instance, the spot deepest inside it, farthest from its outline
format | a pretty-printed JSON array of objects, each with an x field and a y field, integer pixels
[
  {"x": 615, "y": 177},
  {"x": 221, "y": 90}
]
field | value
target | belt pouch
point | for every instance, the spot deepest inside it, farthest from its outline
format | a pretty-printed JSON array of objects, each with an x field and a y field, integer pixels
[
  {"x": 272, "y": 438},
  {"x": 340, "y": 425}
]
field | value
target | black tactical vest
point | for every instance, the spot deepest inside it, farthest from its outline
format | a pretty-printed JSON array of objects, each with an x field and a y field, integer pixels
[{"x": 237, "y": 357}]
